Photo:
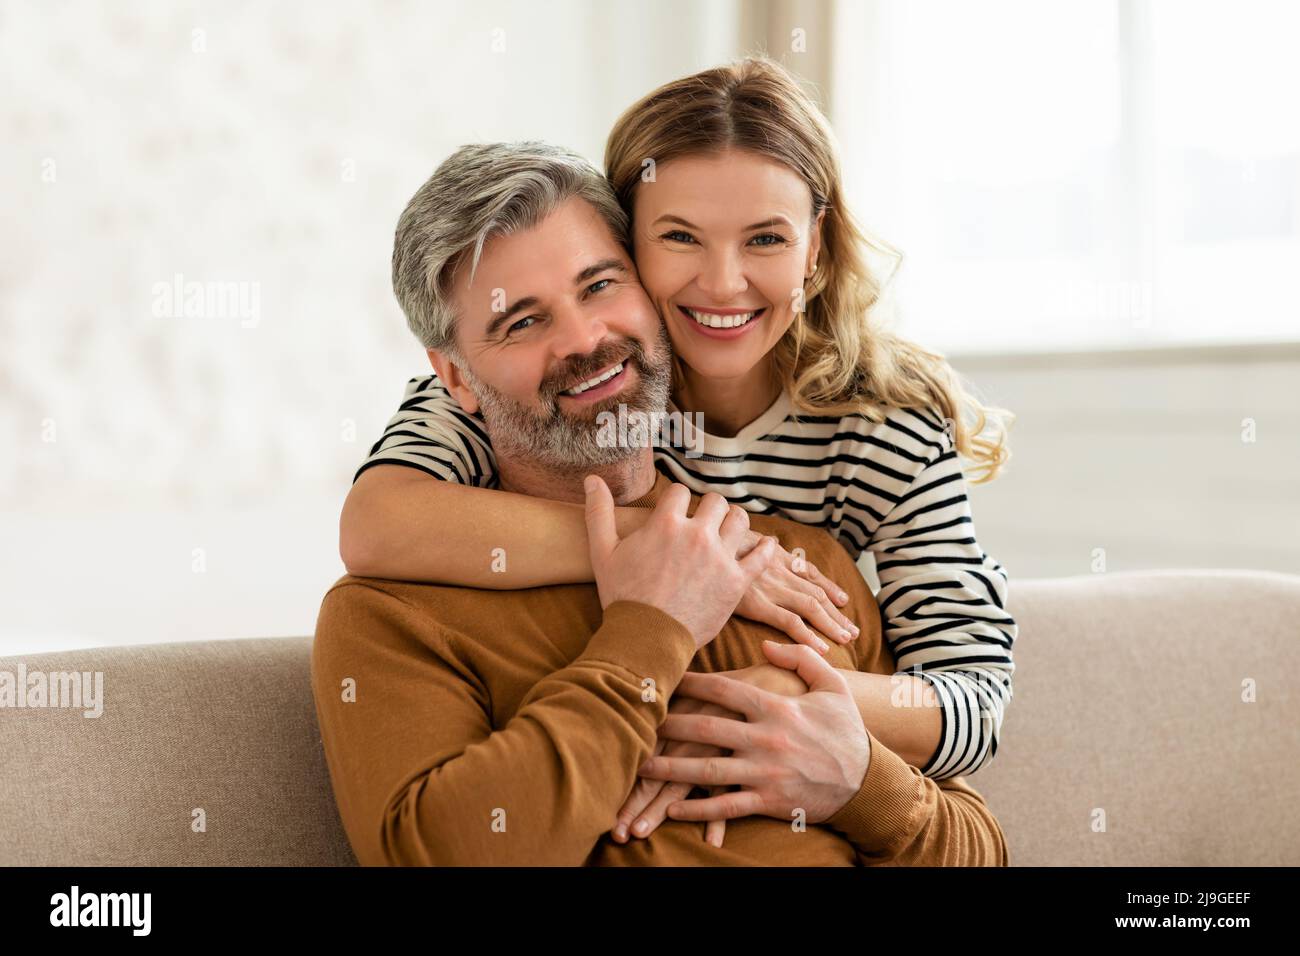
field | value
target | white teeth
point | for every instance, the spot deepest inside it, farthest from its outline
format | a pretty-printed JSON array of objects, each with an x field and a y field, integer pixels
[
  {"x": 593, "y": 382},
  {"x": 721, "y": 321}
]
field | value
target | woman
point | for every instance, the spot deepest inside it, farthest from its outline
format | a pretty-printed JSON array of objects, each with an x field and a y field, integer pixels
[{"x": 812, "y": 410}]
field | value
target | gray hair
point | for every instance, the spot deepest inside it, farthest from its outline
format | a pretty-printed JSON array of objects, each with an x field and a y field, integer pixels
[{"x": 479, "y": 192}]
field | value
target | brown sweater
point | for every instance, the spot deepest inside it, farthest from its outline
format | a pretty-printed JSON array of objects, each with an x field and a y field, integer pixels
[{"x": 506, "y": 728}]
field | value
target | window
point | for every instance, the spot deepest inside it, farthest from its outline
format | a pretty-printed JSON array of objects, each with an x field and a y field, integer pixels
[{"x": 1079, "y": 174}]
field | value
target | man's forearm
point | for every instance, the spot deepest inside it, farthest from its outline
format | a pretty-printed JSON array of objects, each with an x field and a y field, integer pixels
[{"x": 541, "y": 790}]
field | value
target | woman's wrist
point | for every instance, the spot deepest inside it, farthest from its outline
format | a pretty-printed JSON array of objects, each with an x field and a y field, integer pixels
[
  {"x": 628, "y": 520},
  {"x": 775, "y": 679}
]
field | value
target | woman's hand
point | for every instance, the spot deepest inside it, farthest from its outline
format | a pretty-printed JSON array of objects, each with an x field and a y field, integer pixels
[
  {"x": 647, "y": 805},
  {"x": 790, "y": 594}
]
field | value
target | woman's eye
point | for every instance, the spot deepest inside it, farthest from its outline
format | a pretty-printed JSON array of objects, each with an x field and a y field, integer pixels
[
  {"x": 775, "y": 239},
  {"x": 519, "y": 326},
  {"x": 677, "y": 236}
]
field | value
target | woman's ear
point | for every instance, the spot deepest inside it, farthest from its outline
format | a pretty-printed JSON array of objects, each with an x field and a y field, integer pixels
[
  {"x": 452, "y": 379},
  {"x": 814, "y": 245}
]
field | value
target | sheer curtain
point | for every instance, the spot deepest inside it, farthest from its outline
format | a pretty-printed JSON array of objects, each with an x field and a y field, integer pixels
[{"x": 1072, "y": 173}]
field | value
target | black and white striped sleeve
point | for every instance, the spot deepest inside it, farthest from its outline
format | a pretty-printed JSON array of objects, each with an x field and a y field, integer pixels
[
  {"x": 943, "y": 600},
  {"x": 433, "y": 433}
]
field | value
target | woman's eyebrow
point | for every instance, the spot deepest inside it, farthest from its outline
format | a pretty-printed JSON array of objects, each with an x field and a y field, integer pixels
[
  {"x": 777, "y": 220},
  {"x": 677, "y": 219}
]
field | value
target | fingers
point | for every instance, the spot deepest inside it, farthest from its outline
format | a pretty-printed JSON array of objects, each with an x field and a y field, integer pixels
[
  {"x": 714, "y": 829},
  {"x": 656, "y": 810},
  {"x": 814, "y": 669},
  {"x": 673, "y": 502},
  {"x": 710, "y": 511},
  {"x": 753, "y": 563},
  {"x": 701, "y": 729},
  {"x": 807, "y": 570},
  {"x": 706, "y": 771},
  {"x": 649, "y": 813},
  {"x": 602, "y": 534},
  {"x": 681, "y": 704},
  {"x": 726, "y": 806},
  {"x": 789, "y": 623},
  {"x": 811, "y": 603},
  {"x": 735, "y": 528},
  {"x": 643, "y": 794},
  {"x": 822, "y": 593},
  {"x": 734, "y": 695}
]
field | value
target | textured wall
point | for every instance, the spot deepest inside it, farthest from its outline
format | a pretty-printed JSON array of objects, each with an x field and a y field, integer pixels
[
  {"x": 173, "y": 472},
  {"x": 267, "y": 145}
]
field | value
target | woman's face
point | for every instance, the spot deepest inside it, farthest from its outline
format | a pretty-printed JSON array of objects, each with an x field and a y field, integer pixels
[{"x": 723, "y": 244}]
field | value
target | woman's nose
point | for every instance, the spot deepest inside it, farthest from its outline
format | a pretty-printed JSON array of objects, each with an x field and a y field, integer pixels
[{"x": 722, "y": 278}]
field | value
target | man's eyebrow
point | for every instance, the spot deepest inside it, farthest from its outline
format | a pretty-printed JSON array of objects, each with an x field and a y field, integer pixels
[
  {"x": 777, "y": 220},
  {"x": 501, "y": 317},
  {"x": 595, "y": 269}
]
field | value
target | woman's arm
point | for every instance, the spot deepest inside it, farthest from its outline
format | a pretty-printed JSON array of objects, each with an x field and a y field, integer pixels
[
  {"x": 402, "y": 524},
  {"x": 943, "y": 598},
  {"x": 901, "y": 711}
]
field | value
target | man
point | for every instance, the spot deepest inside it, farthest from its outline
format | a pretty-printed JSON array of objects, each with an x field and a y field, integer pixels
[{"x": 465, "y": 726}]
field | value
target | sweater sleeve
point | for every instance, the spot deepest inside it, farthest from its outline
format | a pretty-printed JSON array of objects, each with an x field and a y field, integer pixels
[
  {"x": 422, "y": 777},
  {"x": 943, "y": 599},
  {"x": 900, "y": 817},
  {"x": 432, "y": 433}
]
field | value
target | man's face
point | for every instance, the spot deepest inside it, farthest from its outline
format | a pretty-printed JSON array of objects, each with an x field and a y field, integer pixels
[{"x": 550, "y": 310}]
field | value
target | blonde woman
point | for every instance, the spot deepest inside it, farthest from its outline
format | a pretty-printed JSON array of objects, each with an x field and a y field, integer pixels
[{"x": 812, "y": 410}]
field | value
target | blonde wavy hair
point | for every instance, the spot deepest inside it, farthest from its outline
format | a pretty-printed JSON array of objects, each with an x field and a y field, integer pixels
[{"x": 838, "y": 357}]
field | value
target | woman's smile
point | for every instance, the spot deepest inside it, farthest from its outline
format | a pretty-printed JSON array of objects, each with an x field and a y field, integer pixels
[{"x": 721, "y": 323}]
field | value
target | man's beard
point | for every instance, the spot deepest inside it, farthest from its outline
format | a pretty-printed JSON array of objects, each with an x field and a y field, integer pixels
[{"x": 569, "y": 441}]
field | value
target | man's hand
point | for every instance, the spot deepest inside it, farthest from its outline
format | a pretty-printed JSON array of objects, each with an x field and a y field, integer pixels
[
  {"x": 809, "y": 752},
  {"x": 685, "y": 566},
  {"x": 647, "y": 805}
]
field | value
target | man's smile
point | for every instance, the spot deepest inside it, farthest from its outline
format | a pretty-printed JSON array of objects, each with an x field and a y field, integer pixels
[{"x": 608, "y": 381}]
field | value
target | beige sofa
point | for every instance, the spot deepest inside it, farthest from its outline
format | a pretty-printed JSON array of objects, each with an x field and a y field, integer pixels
[{"x": 1128, "y": 740}]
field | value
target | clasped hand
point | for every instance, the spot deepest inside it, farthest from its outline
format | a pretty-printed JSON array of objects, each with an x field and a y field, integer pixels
[{"x": 788, "y": 739}]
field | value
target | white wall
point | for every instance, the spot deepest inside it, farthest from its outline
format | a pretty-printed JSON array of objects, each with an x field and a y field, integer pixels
[
  {"x": 274, "y": 147},
  {"x": 1186, "y": 458}
]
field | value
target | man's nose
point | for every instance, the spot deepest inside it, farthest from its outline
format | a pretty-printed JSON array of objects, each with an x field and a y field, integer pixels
[
  {"x": 723, "y": 276},
  {"x": 576, "y": 332}
]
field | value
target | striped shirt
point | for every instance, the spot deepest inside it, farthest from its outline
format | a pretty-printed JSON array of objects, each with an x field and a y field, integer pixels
[{"x": 894, "y": 489}]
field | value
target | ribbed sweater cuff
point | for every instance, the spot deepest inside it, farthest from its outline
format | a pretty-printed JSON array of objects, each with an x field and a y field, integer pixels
[
  {"x": 645, "y": 640},
  {"x": 884, "y": 808}
]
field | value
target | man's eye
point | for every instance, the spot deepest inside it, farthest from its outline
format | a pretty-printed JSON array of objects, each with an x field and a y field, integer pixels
[
  {"x": 776, "y": 240},
  {"x": 519, "y": 326},
  {"x": 677, "y": 235},
  {"x": 599, "y": 286}
]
